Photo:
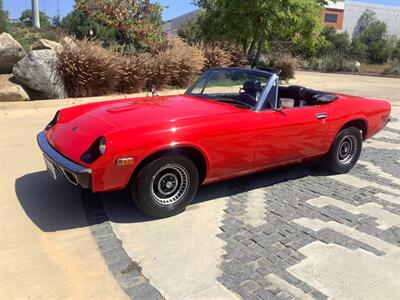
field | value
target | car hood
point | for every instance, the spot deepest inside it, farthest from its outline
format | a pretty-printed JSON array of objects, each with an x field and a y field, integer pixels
[
  {"x": 80, "y": 126},
  {"x": 143, "y": 111}
]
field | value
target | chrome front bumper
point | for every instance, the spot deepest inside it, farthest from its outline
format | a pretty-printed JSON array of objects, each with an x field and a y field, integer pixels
[{"x": 73, "y": 172}]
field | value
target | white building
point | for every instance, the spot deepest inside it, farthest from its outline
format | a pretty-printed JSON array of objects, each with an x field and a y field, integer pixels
[{"x": 385, "y": 13}]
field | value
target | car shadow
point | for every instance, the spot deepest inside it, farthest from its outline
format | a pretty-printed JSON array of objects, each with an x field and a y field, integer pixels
[
  {"x": 121, "y": 209},
  {"x": 51, "y": 205},
  {"x": 57, "y": 205}
]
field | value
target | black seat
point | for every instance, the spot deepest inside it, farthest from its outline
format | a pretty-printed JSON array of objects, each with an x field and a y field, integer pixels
[{"x": 295, "y": 92}]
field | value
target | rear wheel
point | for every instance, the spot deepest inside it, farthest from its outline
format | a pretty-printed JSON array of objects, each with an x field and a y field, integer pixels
[
  {"x": 165, "y": 186},
  {"x": 345, "y": 151}
]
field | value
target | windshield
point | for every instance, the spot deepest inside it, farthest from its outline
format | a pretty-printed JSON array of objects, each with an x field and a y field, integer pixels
[{"x": 239, "y": 87}]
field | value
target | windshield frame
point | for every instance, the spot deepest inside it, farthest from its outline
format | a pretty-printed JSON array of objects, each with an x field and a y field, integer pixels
[{"x": 273, "y": 80}]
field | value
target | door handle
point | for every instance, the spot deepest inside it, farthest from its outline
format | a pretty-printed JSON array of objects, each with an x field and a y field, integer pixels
[{"x": 321, "y": 116}]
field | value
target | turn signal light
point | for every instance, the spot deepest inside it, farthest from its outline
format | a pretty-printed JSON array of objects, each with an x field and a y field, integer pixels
[{"x": 125, "y": 161}]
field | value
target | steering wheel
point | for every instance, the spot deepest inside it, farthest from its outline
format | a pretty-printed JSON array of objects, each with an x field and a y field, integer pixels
[{"x": 252, "y": 98}]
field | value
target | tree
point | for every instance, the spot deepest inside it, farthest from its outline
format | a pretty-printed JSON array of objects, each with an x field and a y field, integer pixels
[
  {"x": 26, "y": 19},
  {"x": 77, "y": 23},
  {"x": 358, "y": 50},
  {"x": 4, "y": 23},
  {"x": 374, "y": 36},
  {"x": 190, "y": 32},
  {"x": 366, "y": 18},
  {"x": 252, "y": 25},
  {"x": 338, "y": 42},
  {"x": 396, "y": 51},
  {"x": 139, "y": 21}
]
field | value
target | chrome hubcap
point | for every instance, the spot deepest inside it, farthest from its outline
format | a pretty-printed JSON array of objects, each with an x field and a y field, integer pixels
[
  {"x": 347, "y": 149},
  {"x": 170, "y": 184}
]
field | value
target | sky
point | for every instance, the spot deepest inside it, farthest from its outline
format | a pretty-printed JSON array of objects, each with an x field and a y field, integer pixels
[
  {"x": 174, "y": 7},
  {"x": 15, "y": 7}
]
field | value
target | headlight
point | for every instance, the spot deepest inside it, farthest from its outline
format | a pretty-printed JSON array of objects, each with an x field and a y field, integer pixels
[
  {"x": 102, "y": 146},
  {"x": 97, "y": 149},
  {"x": 54, "y": 121}
]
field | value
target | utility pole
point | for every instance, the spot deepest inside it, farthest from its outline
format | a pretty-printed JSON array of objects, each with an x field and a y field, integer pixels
[{"x": 35, "y": 13}]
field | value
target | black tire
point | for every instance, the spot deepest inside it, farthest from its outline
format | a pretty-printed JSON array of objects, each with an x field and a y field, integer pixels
[
  {"x": 165, "y": 186},
  {"x": 345, "y": 151}
]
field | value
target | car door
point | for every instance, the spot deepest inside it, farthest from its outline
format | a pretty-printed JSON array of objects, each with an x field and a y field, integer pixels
[{"x": 290, "y": 134}]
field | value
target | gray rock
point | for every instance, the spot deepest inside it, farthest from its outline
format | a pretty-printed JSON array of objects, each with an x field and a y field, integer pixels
[
  {"x": 45, "y": 44},
  {"x": 10, "y": 53},
  {"x": 38, "y": 71},
  {"x": 11, "y": 91}
]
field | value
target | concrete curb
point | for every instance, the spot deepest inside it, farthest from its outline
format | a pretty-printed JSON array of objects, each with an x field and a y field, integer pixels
[
  {"x": 125, "y": 271},
  {"x": 42, "y": 104},
  {"x": 349, "y": 73}
]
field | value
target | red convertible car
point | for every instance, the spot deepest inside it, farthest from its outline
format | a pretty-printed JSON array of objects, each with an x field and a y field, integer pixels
[{"x": 231, "y": 122}]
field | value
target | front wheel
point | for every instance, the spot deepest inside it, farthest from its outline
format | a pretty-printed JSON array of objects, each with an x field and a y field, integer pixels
[
  {"x": 165, "y": 186},
  {"x": 345, "y": 151}
]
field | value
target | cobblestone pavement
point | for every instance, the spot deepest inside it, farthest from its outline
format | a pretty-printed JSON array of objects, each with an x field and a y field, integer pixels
[{"x": 293, "y": 233}]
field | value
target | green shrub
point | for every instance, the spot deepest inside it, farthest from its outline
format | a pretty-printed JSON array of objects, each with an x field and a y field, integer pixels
[
  {"x": 25, "y": 36},
  {"x": 333, "y": 62}
]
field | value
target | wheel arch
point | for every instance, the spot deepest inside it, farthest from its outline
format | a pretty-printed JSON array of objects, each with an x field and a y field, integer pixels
[
  {"x": 194, "y": 153},
  {"x": 359, "y": 122}
]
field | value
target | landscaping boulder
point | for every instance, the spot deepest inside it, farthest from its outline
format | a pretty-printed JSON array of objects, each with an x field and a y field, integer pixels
[
  {"x": 11, "y": 91},
  {"x": 10, "y": 53},
  {"x": 45, "y": 44},
  {"x": 356, "y": 66},
  {"x": 39, "y": 71}
]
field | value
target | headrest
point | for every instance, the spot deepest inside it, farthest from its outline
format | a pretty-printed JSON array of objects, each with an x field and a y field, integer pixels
[{"x": 251, "y": 85}]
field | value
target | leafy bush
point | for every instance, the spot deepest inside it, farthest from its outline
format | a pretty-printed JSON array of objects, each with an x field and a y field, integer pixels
[
  {"x": 393, "y": 69},
  {"x": 26, "y": 36},
  {"x": 88, "y": 69},
  {"x": 280, "y": 59},
  {"x": 287, "y": 66}
]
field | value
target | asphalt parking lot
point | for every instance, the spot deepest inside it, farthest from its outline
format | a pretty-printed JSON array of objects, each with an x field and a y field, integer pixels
[{"x": 293, "y": 233}]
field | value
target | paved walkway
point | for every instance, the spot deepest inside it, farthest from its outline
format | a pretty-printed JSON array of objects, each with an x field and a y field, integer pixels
[
  {"x": 296, "y": 233},
  {"x": 46, "y": 249}
]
